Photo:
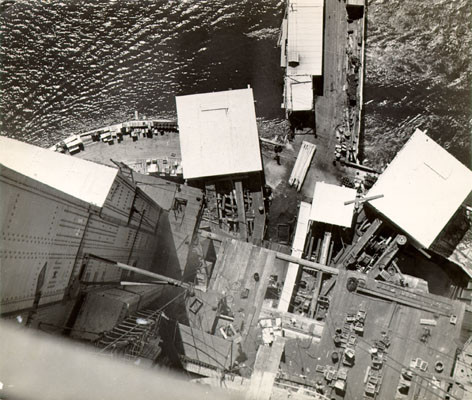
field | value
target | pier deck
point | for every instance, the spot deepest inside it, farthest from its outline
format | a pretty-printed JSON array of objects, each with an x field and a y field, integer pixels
[
  {"x": 331, "y": 104},
  {"x": 402, "y": 325},
  {"x": 159, "y": 146},
  {"x": 182, "y": 206}
]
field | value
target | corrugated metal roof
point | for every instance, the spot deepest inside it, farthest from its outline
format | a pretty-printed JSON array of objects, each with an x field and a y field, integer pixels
[
  {"x": 305, "y": 36},
  {"x": 328, "y": 204},
  {"x": 423, "y": 187},
  {"x": 218, "y": 133},
  {"x": 81, "y": 179}
]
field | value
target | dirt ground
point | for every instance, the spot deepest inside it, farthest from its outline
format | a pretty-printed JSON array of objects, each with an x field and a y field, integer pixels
[{"x": 285, "y": 199}]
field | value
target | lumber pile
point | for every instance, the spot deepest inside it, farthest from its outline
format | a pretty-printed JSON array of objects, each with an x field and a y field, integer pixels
[{"x": 305, "y": 155}]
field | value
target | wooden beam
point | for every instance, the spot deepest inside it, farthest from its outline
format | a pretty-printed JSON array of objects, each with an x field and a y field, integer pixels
[
  {"x": 271, "y": 142},
  {"x": 356, "y": 248},
  {"x": 309, "y": 265},
  {"x": 316, "y": 294},
  {"x": 241, "y": 210}
]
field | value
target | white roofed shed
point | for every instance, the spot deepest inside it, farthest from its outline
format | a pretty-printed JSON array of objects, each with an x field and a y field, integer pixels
[
  {"x": 423, "y": 187},
  {"x": 301, "y": 43},
  {"x": 79, "y": 178},
  {"x": 218, "y": 134},
  {"x": 328, "y": 204},
  {"x": 305, "y": 37}
]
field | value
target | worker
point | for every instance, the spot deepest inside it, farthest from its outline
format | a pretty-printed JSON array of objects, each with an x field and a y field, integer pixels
[{"x": 277, "y": 150}]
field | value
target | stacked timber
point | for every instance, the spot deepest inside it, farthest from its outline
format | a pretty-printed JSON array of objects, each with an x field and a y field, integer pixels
[{"x": 305, "y": 155}]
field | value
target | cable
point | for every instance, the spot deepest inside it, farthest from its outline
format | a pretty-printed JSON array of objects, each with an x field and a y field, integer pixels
[{"x": 152, "y": 315}]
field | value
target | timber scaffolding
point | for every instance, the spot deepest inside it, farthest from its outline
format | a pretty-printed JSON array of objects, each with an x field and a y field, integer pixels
[{"x": 235, "y": 208}]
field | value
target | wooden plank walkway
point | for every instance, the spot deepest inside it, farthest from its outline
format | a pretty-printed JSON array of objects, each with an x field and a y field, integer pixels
[
  {"x": 265, "y": 370},
  {"x": 305, "y": 155},
  {"x": 297, "y": 250}
]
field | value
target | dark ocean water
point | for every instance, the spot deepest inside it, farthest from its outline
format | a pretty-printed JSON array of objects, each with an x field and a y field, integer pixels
[
  {"x": 418, "y": 75},
  {"x": 72, "y": 65},
  {"x": 69, "y": 66}
]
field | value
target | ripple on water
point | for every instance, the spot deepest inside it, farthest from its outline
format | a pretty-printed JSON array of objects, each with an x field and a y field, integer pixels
[{"x": 70, "y": 66}]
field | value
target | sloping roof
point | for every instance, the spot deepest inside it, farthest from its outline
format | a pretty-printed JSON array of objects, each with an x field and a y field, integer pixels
[
  {"x": 423, "y": 187},
  {"x": 218, "y": 133},
  {"x": 81, "y": 179},
  {"x": 305, "y": 36},
  {"x": 328, "y": 204}
]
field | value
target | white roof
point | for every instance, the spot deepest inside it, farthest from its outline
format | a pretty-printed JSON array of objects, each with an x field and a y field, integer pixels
[
  {"x": 328, "y": 204},
  {"x": 305, "y": 36},
  {"x": 218, "y": 133},
  {"x": 82, "y": 179},
  {"x": 423, "y": 187},
  {"x": 299, "y": 93}
]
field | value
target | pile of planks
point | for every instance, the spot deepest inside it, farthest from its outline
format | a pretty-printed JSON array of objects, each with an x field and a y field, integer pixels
[{"x": 305, "y": 155}]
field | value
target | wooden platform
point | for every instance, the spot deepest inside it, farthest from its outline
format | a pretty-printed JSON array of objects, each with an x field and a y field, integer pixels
[
  {"x": 265, "y": 370},
  {"x": 398, "y": 320},
  {"x": 182, "y": 206},
  {"x": 235, "y": 296},
  {"x": 297, "y": 250},
  {"x": 158, "y": 147}
]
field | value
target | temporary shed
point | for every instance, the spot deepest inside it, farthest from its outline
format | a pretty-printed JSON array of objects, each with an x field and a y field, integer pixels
[
  {"x": 305, "y": 37},
  {"x": 299, "y": 93},
  {"x": 79, "y": 178},
  {"x": 218, "y": 134},
  {"x": 301, "y": 43},
  {"x": 422, "y": 188},
  {"x": 328, "y": 204}
]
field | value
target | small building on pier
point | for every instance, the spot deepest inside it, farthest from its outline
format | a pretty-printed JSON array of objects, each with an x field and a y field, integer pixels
[
  {"x": 330, "y": 223},
  {"x": 220, "y": 151},
  {"x": 218, "y": 134},
  {"x": 422, "y": 189},
  {"x": 301, "y": 43}
]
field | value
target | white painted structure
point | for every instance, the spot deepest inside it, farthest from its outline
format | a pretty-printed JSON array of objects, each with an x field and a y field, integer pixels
[
  {"x": 423, "y": 187},
  {"x": 297, "y": 251},
  {"x": 79, "y": 178},
  {"x": 218, "y": 134},
  {"x": 301, "y": 43},
  {"x": 328, "y": 204}
]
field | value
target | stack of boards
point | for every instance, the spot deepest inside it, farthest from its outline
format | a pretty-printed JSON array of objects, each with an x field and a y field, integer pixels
[{"x": 305, "y": 155}]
